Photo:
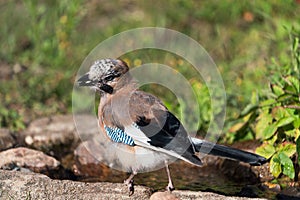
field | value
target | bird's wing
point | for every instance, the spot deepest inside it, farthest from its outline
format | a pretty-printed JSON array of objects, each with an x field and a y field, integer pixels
[{"x": 154, "y": 126}]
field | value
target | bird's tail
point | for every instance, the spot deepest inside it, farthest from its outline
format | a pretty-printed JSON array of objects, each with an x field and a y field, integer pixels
[{"x": 227, "y": 152}]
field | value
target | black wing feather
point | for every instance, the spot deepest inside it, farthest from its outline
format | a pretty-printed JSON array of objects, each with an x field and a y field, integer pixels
[{"x": 163, "y": 128}]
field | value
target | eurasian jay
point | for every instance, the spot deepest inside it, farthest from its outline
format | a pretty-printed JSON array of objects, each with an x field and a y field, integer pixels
[{"x": 139, "y": 123}]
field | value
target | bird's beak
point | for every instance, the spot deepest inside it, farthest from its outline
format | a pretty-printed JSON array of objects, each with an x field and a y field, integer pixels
[{"x": 85, "y": 81}]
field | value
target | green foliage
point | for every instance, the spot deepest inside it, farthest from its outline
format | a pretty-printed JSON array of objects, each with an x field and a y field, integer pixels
[
  {"x": 42, "y": 42},
  {"x": 52, "y": 38},
  {"x": 11, "y": 119},
  {"x": 274, "y": 119},
  {"x": 50, "y": 32}
]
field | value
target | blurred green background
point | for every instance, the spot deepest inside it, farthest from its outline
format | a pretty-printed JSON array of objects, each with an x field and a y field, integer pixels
[{"x": 43, "y": 43}]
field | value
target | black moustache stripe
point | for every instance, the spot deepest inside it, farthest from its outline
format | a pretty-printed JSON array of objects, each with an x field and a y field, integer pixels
[{"x": 106, "y": 88}]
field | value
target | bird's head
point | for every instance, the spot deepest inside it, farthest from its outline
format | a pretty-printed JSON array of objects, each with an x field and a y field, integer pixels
[{"x": 104, "y": 75}]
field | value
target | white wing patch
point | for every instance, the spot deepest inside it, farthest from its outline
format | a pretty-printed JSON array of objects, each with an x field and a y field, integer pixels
[
  {"x": 135, "y": 132},
  {"x": 142, "y": 140}
]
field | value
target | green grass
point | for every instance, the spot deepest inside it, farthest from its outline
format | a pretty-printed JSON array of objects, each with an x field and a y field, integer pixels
[{"x": 52, "y": 38}]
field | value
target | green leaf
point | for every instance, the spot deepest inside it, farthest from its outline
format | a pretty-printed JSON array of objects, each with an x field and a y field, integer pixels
[
  {"x": 296, "y": 123},
  {"x": 287, "y": 165},
  {"x": 264, "y": 119},
  {"x": 265, "y": 150},
  {"x": 277, "y": 90},
  {"x": 269, "y": 131},
  {"x": 284, "y": 121},
  {"x": 267, "y": 103},
  {"x": 275, "y": 166},
  {"x": 284, "y": 97},
  {"x": 236, "y": 127},
  {"x": 291, "y": 112},
  {"x": 254, "y": 98},
  {"x": 248, "y": 109},
  {"x": 273, "y": 139},
  {"x": 290, "y": 133},
  {"x": 293, "y": 81},
  {"x": 288, "y": 148},
  {"x": 290, "y": 90},
  {"x": 280, "y": 112}
]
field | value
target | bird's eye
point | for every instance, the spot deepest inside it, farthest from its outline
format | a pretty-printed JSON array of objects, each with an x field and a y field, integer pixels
[{"x": 109, "y": 78}]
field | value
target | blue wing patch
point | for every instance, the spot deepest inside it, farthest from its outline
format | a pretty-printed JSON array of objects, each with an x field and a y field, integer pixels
[{"x": 118, "y": 135}]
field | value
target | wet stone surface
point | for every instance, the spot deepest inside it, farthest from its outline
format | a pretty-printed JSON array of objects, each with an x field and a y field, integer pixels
[
  {"x": 217, "y": 175},
  {"x": 21, "y": 185},
  {"x": 89, "y": 162},
  {"x": 53, "y": 135},
  {"x": 57, "y": 135}
]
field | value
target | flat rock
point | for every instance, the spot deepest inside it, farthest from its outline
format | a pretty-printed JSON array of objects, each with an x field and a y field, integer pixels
[
  {"x": 26, "y": 185},
  {"x": 20, "y": 185},
  {"x": 87, "y": 163},
  {"x": 33, "y": 160},
  {"x": 58, "y": 135},
  {"x": 91, "y": 161},
  {"x": 187, "y": 195},
  {"x": 6, "y": 139},
  {"x": 163, "y": 196}
]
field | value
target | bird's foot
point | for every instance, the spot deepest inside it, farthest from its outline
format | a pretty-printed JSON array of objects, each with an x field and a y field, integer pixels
[
  {"x": 170, "y": 187},
  {"x": 130, "y": 186}
]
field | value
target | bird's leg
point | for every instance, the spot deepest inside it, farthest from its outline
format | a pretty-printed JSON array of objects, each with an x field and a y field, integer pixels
[
  {"x": 170, "y": 186},
  {"x": 129, "y": 183}
]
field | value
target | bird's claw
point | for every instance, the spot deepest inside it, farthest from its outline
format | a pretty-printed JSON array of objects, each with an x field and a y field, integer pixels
[
  {"x": 130, "y": 186},
  {"x": 170, "y": 188}
]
